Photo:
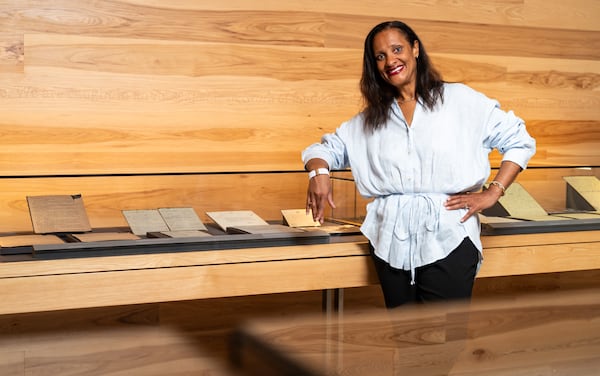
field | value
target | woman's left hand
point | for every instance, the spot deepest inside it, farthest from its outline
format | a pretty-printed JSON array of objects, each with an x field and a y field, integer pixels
[{"x": 472, "y": 202}]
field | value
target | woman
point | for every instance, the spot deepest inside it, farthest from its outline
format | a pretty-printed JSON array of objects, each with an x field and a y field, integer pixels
[{"x": 420, "y": 149}]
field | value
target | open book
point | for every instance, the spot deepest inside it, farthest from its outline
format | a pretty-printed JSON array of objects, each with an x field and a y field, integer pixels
[{"x": 169, "y": 220}]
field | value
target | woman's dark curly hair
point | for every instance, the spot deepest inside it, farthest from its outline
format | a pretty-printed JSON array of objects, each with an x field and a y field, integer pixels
[{"x": 378, "y": 94}]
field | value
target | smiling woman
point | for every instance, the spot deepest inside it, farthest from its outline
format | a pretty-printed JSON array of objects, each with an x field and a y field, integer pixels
[{"x": 420, "y": 149}]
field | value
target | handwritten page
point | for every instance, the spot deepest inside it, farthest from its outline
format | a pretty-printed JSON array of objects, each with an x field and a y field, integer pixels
[{"x": 58, "y": 214}]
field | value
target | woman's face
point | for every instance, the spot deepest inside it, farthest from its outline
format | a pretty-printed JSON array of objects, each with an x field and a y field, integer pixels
[{"x": 395, "y": 57}]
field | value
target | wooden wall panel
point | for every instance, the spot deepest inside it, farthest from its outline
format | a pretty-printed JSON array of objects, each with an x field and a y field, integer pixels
[
  {"x": 468, "y": 37},
  {"x": 147, "y": 86},
  {"x": 535, "y": 13},
  {"x": 124, "y": 19}
]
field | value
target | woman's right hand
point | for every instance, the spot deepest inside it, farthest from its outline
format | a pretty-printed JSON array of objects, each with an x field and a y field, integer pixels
[{"x": 318, "y": 196}]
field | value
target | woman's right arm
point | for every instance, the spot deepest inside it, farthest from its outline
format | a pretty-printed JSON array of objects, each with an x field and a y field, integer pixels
[
  {"x": 319, "y": 159},
  {"x": 319, "y": 188}
]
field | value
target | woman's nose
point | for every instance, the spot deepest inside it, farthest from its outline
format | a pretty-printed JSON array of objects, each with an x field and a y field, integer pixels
[{"x": 389, "y": 60}]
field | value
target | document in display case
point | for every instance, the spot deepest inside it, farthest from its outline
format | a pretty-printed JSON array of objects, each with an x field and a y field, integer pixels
[
  {"x": 544, "y": 199},
  {"x": 58, "y": 214},
  {"x": 236, "y": 218},
  {"x": 170, "y": 220},
  {"x": 517, "y": 203},
  {"x": 299, "y": 218},
  {"x": 583, "y": 193}
]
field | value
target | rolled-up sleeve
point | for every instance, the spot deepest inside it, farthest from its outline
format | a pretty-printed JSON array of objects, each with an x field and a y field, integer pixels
[
  {"x": 331, "y": 149},
  {"x": 508, "y": 134}
]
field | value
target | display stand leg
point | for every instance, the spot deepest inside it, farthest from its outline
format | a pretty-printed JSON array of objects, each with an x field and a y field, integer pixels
[{"x": 333, "y": 301}]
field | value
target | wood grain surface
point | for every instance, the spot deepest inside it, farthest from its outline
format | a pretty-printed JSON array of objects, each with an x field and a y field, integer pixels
[
  {"x": 112, "y": 86},
  {"x": 90, "y": 89},
  {"x": 145, "y": 86},
  {"x": 543, "y": 334}
]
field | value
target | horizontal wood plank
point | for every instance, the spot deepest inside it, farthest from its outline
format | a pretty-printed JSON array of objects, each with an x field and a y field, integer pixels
[
  {"x": 181, "y": 259},
  {"x": 577, "y": 14},
  {"x": 471, "y": 38},
  {"x": 144, "y": 286},
  {"x": 120, "y": 19},
  {"x": 194, "y": 59}
]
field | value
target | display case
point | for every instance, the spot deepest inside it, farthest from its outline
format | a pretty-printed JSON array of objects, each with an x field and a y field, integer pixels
[
  {"x": 542, "y": 199},
  {"x": 49, "y": 217}
]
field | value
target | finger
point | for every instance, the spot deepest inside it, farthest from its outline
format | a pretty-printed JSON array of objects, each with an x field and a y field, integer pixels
[
  {"x": 308, "y": 204},
  {"x": 319, "y": 217},
  {"x": 466, "y": 216},
  {"x": 322, "y": 206},
  {"x": 330, "y": 200},
  {"x": 454, "y": 204},
  {"x": 313, "y": 209}
]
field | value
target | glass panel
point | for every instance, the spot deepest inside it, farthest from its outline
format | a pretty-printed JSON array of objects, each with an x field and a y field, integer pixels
[{"x": 551, "y": 187}]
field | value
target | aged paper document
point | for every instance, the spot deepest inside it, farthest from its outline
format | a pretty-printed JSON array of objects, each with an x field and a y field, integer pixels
[
  {"x": 236, "y": 218},
  {"x": 163, "y": 220},
  {"x": 181, "y": 219},
  {"x": 145, "y": 220},
  {"x": 298, "y": 218},
  {"x": 520, "y": 204},
  {"x": 58, "y": 213},
  {"x": 588, "y": 187}
]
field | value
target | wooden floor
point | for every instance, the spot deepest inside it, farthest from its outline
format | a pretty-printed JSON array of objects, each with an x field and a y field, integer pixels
[{"x": 189, "y": 337}]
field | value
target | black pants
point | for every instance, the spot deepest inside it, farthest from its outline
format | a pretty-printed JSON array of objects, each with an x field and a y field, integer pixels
[{"x": 446, "y": 279}]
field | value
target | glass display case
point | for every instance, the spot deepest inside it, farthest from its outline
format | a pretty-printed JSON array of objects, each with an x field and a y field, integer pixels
[
  {"x": 542, "y": 199},
  {"x": 81, "y": 216}
]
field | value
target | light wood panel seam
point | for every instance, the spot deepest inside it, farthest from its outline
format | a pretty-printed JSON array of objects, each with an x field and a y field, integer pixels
[{"x": 207, "y": 264}]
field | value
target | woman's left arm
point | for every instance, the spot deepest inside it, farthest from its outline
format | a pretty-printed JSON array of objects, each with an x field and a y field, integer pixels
[{"x": 507, "y": 133}]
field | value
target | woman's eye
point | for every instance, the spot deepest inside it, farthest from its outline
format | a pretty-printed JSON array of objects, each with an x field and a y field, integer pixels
[
  {"x": 397, "y": 49},
  {"x": 379, "y": 57}
]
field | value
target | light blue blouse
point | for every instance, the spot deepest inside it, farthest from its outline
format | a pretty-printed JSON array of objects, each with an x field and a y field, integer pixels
[{"x": 410, "y": 171}]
